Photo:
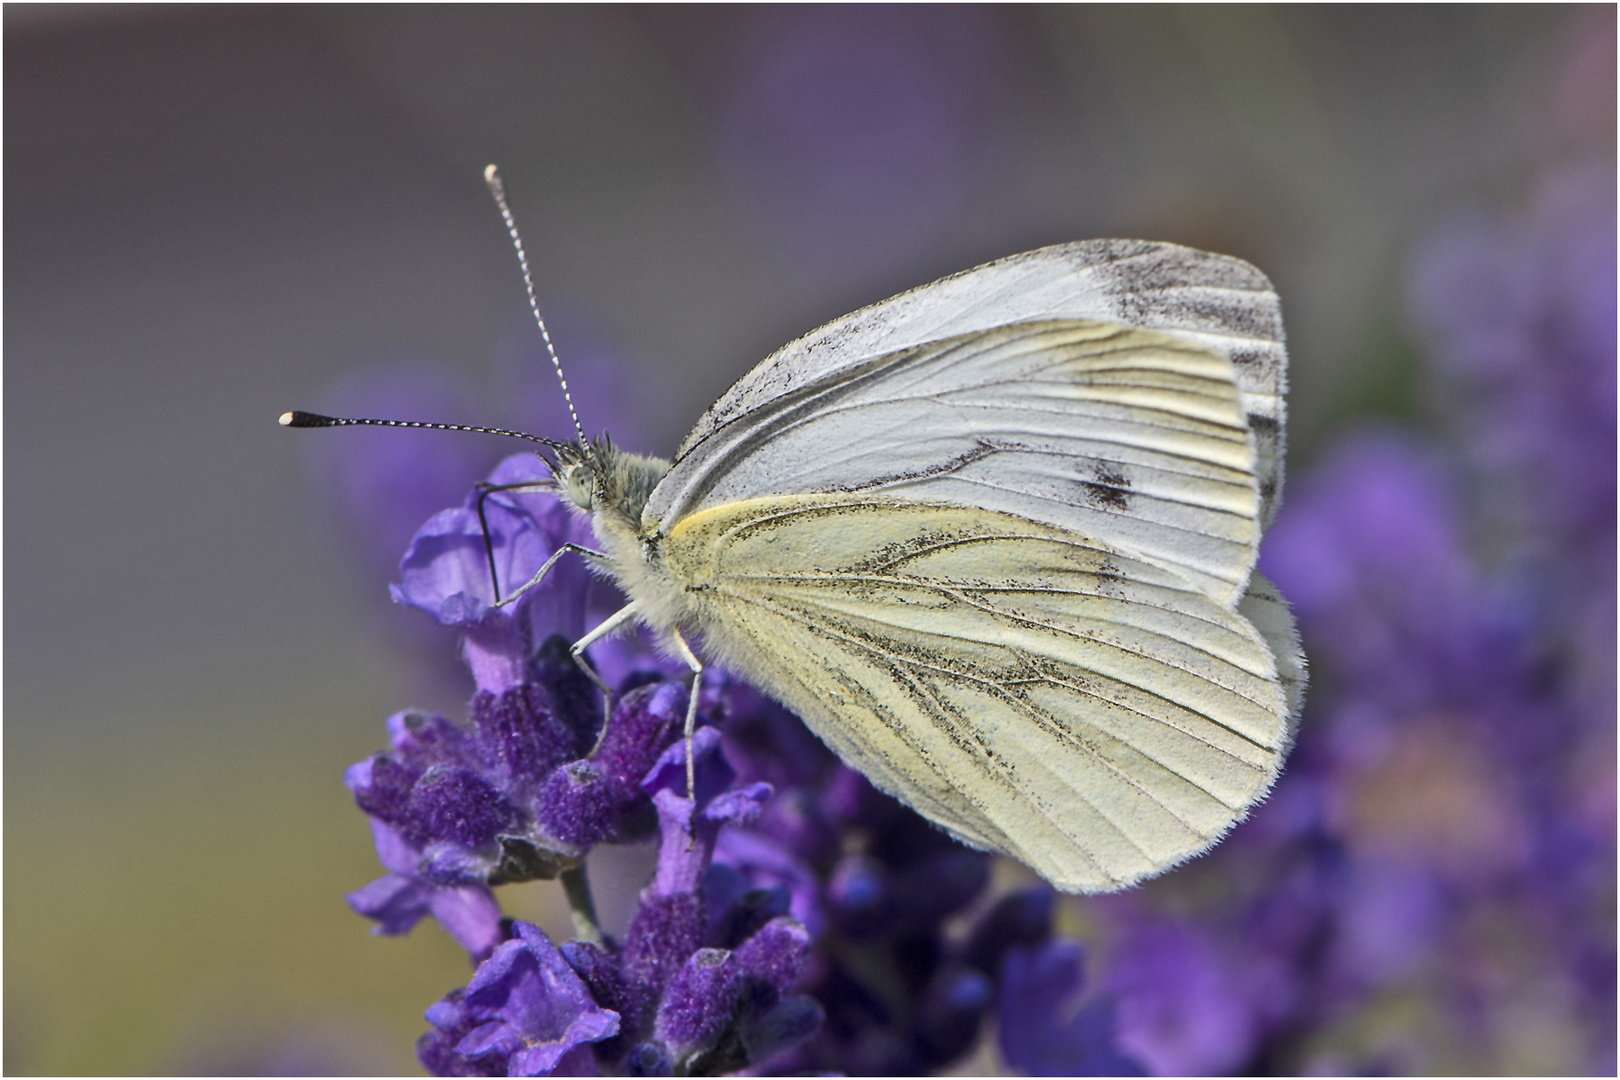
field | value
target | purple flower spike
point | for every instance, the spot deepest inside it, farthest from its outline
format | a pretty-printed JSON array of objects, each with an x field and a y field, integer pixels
[
  {"x": 699, "y": 1001},
  {"x": 530, "y": 1008},
  {"x": 1041, "y": 1032}
]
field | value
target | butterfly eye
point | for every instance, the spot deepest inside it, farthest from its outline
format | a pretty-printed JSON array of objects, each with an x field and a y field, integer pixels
[{"x": 578, "y": 483}]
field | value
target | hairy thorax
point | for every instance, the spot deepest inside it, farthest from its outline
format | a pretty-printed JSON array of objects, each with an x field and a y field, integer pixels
[{"x": 613, "y": 487}]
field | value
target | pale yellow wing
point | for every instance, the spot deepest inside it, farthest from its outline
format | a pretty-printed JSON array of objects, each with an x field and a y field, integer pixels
[{"x": 1094, "y": 715}]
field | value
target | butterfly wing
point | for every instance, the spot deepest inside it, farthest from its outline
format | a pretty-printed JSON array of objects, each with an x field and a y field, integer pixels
[
  {"x": 1130, "y": 437},
  {"x": 1030, "y": 690},
  {"x": 1212, "y": 301}
]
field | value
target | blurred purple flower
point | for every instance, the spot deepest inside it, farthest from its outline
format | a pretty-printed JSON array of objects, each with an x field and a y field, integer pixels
[
  {"x": 1431, "y": 839},
  {"x": 1523, "y": 318},
  {"x": 1044, "y": 1030},
  {"x": 1187, "y": 1006},
  {"x": 848, "y": 129}
]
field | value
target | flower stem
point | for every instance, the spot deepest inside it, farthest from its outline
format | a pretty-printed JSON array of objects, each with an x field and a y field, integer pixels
[{"x": 580, "y": 905}]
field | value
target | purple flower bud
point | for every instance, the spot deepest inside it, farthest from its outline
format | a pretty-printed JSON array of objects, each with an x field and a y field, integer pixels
[
  {"x": 858, "y": 893},
  {"x": 786, "y": 1024},
  {"x": 382, "y": 788},
  {"x": 948, "y": 1013},
  {"x": 577, "y": 804},
  {"x": 699, "y": 1001},
  {"x": 1021, "y": 918},
  {"x": 574, "y": 698},
  {"x": 664, "y": 931},
  {"x": 746, "y": 912},
  {"x": 777, "y": 954},
  {"x": 457, "y": 804},
  {"x": 419, "y": 739},
  {"x": 645, "y": 721},
  {"x": 518, "y": 732}
]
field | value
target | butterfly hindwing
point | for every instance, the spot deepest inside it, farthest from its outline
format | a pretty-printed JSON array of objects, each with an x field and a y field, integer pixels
[{"x": 1090, "y": 713}]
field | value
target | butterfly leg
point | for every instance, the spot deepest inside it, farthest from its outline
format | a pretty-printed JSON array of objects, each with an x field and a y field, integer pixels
[
  {"x": 691, "y": 707},
  {"x": 603, "y": 629},
  {"x": 485, "y": 490},
  {"x": 545, "y": 569}
]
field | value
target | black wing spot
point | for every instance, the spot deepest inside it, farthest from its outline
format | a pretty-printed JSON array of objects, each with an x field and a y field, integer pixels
[
  {"x": 1111, "y": 488},
  {"x": 1261, "y": 424}
]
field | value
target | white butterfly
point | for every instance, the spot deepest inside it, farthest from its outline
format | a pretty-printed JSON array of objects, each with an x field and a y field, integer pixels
[{"x": 994, "y": 540}]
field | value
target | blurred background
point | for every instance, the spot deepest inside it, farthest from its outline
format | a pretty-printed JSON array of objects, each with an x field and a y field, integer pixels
[{"x": 216, "y": 214}]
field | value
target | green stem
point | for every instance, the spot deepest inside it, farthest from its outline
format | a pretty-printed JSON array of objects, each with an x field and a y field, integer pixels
[{"x": 581, "y": 906}]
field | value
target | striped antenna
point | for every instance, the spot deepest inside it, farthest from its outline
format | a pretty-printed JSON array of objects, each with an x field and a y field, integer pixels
[
  {"x": 497, "y": 189},
  {"x": 296, "y": 418}
]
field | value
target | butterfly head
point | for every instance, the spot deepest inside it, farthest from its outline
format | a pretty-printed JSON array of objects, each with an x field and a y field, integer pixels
[{"x": 599, "y": 477}]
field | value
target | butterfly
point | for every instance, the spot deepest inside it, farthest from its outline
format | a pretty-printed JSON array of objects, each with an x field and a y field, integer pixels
[{"x": 994, "y": 540}]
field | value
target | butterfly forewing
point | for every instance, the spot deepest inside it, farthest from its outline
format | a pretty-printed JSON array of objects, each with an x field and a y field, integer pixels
[
  {"x": 1091, "y": 713},
  {"x": 1212, "y": 301},
  {"x": 1130, "y": 437}
]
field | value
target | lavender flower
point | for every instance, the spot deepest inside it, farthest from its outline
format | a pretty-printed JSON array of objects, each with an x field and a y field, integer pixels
[
  {"x": 795, "y": 917},
  {"x": 1044, "y": 1030},
  {"x": 699, "y": 983},
  {"x": 524, "y": 1013}
]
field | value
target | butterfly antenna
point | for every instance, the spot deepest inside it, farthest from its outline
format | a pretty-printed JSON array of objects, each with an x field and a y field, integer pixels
[
  {"x": 296, "y": 418},
  {"x": 497, "y": 189}
]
